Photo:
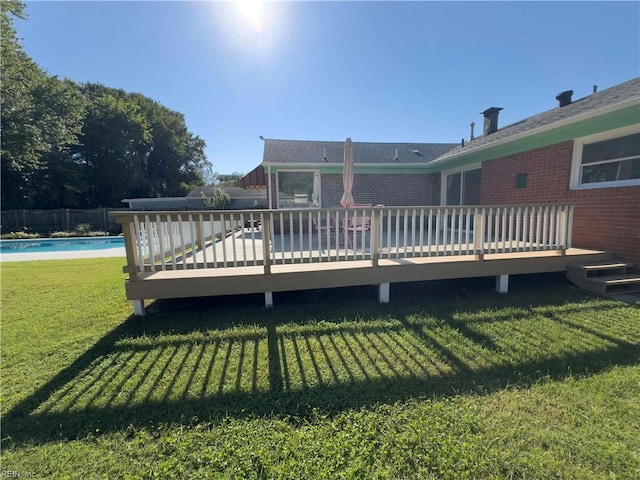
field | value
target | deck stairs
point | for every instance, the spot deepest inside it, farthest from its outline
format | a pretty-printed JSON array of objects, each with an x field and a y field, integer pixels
[{"x": 604, "y": 278}]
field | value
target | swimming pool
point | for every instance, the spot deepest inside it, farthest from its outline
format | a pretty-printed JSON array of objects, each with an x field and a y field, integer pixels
[{"x": 60, "y": 244}]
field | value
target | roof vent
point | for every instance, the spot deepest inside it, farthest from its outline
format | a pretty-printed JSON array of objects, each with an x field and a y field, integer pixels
[
  {"x": 491, "y": 120},
  {"x": 564, "y": 98},
  {"x": 416, "y": 151}
]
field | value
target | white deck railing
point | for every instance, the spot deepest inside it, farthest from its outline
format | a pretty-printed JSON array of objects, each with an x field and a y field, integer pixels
[{"x": 158, "y": 241}]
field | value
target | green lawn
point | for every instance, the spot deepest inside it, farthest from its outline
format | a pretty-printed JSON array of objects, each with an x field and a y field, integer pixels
[{"x": 450, "y": 380}]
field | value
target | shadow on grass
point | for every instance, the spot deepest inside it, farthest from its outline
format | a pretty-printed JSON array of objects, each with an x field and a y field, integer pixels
[{"x": 201, "y": 360}]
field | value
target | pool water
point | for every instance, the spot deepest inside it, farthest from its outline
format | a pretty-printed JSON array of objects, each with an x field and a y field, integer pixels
[{"x": 60, "y": 244}]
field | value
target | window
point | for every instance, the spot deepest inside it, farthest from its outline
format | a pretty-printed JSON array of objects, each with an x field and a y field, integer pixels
[
  {"x": 462, "y": 187},
  {"x": 298, "y": 189},
  {"x": 610, "y": 159}
]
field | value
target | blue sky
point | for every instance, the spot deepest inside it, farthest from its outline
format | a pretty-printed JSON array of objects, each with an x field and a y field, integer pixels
[{"x": 372, "y": 71}]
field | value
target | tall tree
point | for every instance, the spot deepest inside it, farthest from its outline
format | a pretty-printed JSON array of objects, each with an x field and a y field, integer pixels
[
  {"x": 40, "y": 114},
  {"x": 113, "y": 146},
  {"x": 70, "y": 145},
  {"x": 176, "y": 162},
  {"x": 132, "y": 146}
]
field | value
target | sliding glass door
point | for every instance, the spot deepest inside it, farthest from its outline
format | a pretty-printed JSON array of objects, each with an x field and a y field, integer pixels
[{"x": 462, "y": 188}]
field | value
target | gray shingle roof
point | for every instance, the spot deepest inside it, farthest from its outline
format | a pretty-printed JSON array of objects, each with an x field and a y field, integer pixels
[
  {"x": 605, "y": 98},
  {"x": 313, "y": 152}
]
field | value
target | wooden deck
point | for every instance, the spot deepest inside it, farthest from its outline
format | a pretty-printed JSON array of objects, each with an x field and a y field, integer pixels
[
  {"x": 192, "y": 254},
  {"x": 305, "y": 276}
]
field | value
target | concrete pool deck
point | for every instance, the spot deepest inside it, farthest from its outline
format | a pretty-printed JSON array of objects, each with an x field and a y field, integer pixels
[{"x": 24, "y": 257}]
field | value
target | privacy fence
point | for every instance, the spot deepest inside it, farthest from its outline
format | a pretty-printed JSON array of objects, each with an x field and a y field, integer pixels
[{"x": 46, "y": 221}]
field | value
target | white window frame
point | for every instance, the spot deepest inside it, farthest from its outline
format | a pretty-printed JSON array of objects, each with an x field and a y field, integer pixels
[
  {"x": 576, "y": 164},
  {"x": 300, "y": 170},
  {"x": 443, "y": 182}
]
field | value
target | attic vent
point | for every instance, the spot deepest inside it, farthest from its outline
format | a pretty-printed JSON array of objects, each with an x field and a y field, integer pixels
[
  {"x": 416, "y": 151},
  {"x": 564, "y": 98}
]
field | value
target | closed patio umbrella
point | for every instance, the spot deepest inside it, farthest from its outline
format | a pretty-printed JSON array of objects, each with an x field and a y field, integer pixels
[{"x": 347, "y": 175}]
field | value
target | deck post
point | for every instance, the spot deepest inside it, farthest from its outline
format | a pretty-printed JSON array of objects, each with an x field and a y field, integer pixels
[
  {"x": 130, "y": 242},
  {"x": 375, "y": 241},
  {"x": 266, "y": 246},
  {"x": 502, "y": 283},
  {"x": 268, "y": 299},
  {"x": 138, "y": 307},
  {"x": 478, "y": 234},
  {"x": 383, "y": 293}
]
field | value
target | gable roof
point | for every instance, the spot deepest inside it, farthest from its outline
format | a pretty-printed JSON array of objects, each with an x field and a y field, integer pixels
[
  {"x": 309, "y": 152},
  {"x": 617, "y": 95}
]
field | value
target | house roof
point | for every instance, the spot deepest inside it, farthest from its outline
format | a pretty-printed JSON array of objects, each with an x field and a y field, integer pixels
[
  {"x": 277, "y": 152},
  {"x": 255, "y": 178},
  {"x": 609, "y": 97}
]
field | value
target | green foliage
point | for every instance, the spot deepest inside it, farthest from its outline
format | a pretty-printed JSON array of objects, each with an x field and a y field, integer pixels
[
  {"x": 66, "y": 145},
  {"x": 78, "y": 233},
  {"x": 19, "y": 236},
  {"x": 41, "y": 115},
  {"x": 219, "y": 199},
  {"x": 449, "y": 381},
  {"x": 228, "y": 179}
]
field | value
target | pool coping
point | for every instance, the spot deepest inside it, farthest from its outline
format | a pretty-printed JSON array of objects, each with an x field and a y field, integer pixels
[{"x": 67, "y": 255}]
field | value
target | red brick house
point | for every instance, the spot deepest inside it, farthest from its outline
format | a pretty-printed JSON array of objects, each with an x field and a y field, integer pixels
[{"x": 584, "y": 152}]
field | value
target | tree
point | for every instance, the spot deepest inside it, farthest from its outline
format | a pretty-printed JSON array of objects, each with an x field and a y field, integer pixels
[
  {"x": 40, "y": 114},
  {"x": 229, "y": 179},
  {"x": 176, "y": 163},
  {"x": 69, "y": 145},
  {"x": 113, "y": 147}
]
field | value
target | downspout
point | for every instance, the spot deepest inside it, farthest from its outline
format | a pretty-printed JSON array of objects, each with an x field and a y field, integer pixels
[{"x": 269, "y": 187}]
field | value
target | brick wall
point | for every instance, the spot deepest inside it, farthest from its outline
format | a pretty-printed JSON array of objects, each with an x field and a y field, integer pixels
[
  {"x": 604, "y": 218},
  {"x": 380, "y": 189}
]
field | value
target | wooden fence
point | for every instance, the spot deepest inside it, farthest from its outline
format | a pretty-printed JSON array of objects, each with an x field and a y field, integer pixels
[{"x": 60, "y": 219}]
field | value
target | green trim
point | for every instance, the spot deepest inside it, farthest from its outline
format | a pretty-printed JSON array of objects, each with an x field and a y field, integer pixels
[{"x": 602, "y": 123}]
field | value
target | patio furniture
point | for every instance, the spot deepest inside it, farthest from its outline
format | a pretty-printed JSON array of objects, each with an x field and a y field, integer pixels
[
  {"x": 356, "y": 226},
  {"x": 326, "y": 227}
]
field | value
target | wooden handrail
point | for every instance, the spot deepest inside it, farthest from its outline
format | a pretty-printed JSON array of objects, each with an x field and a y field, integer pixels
[{"x": 204, "y": 239}]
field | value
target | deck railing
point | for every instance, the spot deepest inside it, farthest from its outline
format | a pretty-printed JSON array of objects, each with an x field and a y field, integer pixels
[{"x": 159, "y": 241}]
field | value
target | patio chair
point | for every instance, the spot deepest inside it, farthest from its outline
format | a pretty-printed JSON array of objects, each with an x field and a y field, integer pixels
[
  {"x": 355, "y": 228},
  {"x": 326, "y": 229}
]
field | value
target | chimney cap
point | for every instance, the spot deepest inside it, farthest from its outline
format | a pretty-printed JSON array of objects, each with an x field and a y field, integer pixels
[
  {"x": 564, "y": 97},
  {"x": 491, "y": 110}
]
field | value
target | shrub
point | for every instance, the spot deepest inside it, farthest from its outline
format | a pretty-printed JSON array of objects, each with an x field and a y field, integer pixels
[
  {"x": 83, "y": 229},
  {"x": 19, "y": 236},
  {"x": 218, "y": 199},
  {"x": 62, "y": 234}
]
